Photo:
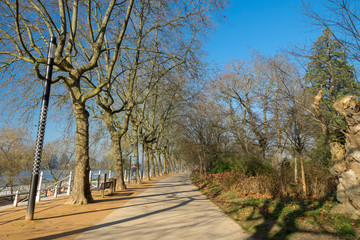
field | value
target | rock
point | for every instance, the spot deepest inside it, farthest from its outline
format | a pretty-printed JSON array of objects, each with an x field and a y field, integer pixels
[
  {"x": 346, "y": 159},
  {"x": 338, "y": 158}
]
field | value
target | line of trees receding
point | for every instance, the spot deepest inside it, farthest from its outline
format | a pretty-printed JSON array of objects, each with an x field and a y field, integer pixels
[
  {"x": 127, "y": 63},
  {"x": 134, "y": 70}
]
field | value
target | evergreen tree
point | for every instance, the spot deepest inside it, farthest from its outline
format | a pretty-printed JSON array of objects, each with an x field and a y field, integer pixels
[{"x": 330, "y": 74}]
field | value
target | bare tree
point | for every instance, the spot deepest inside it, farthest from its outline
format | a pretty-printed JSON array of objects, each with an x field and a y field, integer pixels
[
  {"x": 342, "y": 17},
  {"x": 81, "y": 44},
  {"x": 15, "y": 154},
  {"x": 57, "y": 157},
  {"x": 148, "y": 56},
  {"x": 248, "y": 92}
]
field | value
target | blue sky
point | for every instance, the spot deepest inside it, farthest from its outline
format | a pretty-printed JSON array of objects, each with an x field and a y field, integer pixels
[{"x": 263, "y": 25}]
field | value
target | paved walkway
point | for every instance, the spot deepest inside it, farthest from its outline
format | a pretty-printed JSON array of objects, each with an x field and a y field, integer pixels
[{"x": 171, "y": 209}]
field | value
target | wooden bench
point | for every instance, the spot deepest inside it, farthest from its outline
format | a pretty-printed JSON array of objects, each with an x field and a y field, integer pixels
[{"x": 107, "y": 185}]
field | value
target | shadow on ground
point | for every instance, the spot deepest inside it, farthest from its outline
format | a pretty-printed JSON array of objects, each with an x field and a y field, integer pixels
[
  {"x": 69, "y": 233},
  {"x": 280, "y": 220}
]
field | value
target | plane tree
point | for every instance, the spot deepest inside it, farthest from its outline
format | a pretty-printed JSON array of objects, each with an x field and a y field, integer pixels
[
  {"x": 162, "y": 37},
  {"x": 81, "y": 29}
]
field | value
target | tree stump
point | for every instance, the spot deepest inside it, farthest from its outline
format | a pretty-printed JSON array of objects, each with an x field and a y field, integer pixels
[{"x": 346, "y": 159}]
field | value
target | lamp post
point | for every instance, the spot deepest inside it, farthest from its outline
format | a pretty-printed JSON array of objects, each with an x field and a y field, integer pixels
[{"x": 41, "y": 130}]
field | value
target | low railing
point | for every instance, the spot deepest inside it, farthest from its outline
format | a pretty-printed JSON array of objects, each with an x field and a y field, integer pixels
[{"x": 64, "y": 185}]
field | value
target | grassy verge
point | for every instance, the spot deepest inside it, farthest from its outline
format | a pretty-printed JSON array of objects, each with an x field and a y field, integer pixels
[{"x": 284, "y": 218}]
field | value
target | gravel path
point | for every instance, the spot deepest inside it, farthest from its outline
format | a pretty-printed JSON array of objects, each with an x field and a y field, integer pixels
[{"x": 171, "y": 209}]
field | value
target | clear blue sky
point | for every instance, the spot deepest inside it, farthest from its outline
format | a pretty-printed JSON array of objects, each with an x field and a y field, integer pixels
[{"x": 263, "y": 25}]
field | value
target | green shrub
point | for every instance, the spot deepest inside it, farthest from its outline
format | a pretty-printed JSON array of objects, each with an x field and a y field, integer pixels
[
  {"x": 254, "y": 166},
  {"x": 221, "y": 167},
  {"x": 346, "y": 230}
]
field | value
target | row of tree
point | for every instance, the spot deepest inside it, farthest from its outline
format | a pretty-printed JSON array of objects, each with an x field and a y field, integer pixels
[
  {"x": 133, "y": 69},
  {"x": 127, "y": 63},
  {"x": 266, "y": 115}
]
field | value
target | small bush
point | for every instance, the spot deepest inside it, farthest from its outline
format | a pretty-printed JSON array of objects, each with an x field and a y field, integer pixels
[
  {"x": 346, "y": 230},
  {"x": 221, "y": 167},
  {"x": 253, "y": 166}
]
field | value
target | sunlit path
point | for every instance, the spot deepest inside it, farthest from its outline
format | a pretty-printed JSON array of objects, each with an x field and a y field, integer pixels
[{"x": 172, "y": 209}]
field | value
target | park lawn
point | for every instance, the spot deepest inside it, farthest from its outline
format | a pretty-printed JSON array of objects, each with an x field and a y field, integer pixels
[{"x": 280, "y": 218}]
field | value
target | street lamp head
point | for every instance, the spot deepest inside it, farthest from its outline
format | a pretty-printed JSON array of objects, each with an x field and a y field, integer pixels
[{"x": 52, "y": 48}]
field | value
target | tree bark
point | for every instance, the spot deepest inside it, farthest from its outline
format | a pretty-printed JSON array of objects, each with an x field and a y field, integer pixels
[
  {"x": 201, "y": 165},
  {"x": 152, "y": 165},
  {"x": 157, "y": 164},
  {"x": 166, "y": 164},
  {"x": 136, "y": 155},
  {"x": 81, "y": 193},
  {"x": 161, "y": 170},
  {"x": 295, "y": 169},
  {"x": 303, "y": 180},
  {"x": 115, "y": 137},
  {"x": 147, "y": 162},
  {"x": 119, "y": 163},
  {"x": 319, "y": 115}
]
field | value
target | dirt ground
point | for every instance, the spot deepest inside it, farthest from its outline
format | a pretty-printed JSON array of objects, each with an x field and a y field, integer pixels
[{"x": 54, "y": 218}]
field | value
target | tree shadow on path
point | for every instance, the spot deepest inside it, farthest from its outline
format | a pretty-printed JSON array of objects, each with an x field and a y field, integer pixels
[{"x": 69, "y": 233}]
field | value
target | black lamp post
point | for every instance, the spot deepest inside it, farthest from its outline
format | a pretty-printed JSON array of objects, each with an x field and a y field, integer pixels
[{"x": 41, "y": 130}]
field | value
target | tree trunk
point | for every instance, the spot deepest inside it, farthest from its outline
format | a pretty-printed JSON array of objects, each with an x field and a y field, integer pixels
[
  {"x": 166, "y": 170},
  {"x": 157, "y": 165},
  {"x": 81, "y": 193},
  {"x": 178, "y": 166},
  {"x": 115, "y": 137},
  {"x": 136, "y": 155},
  {"x": 319, "y": 115},
  {"x": 161, "y": 171},
  {"x": 167, "y": 164},
  {"x": 303, "y": 180},
  {"x": 152, "y": 165},
  {"x": 147, "y": 162},
  {"x": 201, "y": 165},
  {"x": 119, "y": 163},
  {"x": 263, "y": 146},
  {"x": 171, "y": 166},
  {"x": 295, "y": 169},
  {"x": 10, "y": 183}
]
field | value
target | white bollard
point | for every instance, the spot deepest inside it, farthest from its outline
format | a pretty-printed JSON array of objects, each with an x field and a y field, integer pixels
[
  {"x": 90, "y": 176},
  {"x": 16, "y": 201},
  {"x": 69, "y": 184},
  {"x": 56, "y": 191},
  {"x": 38, "y": 194},
  {"x": 110, "y": 174}
]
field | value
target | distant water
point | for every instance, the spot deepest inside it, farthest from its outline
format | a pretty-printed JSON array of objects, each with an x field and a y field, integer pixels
[{"x": 24, "y": 177}]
